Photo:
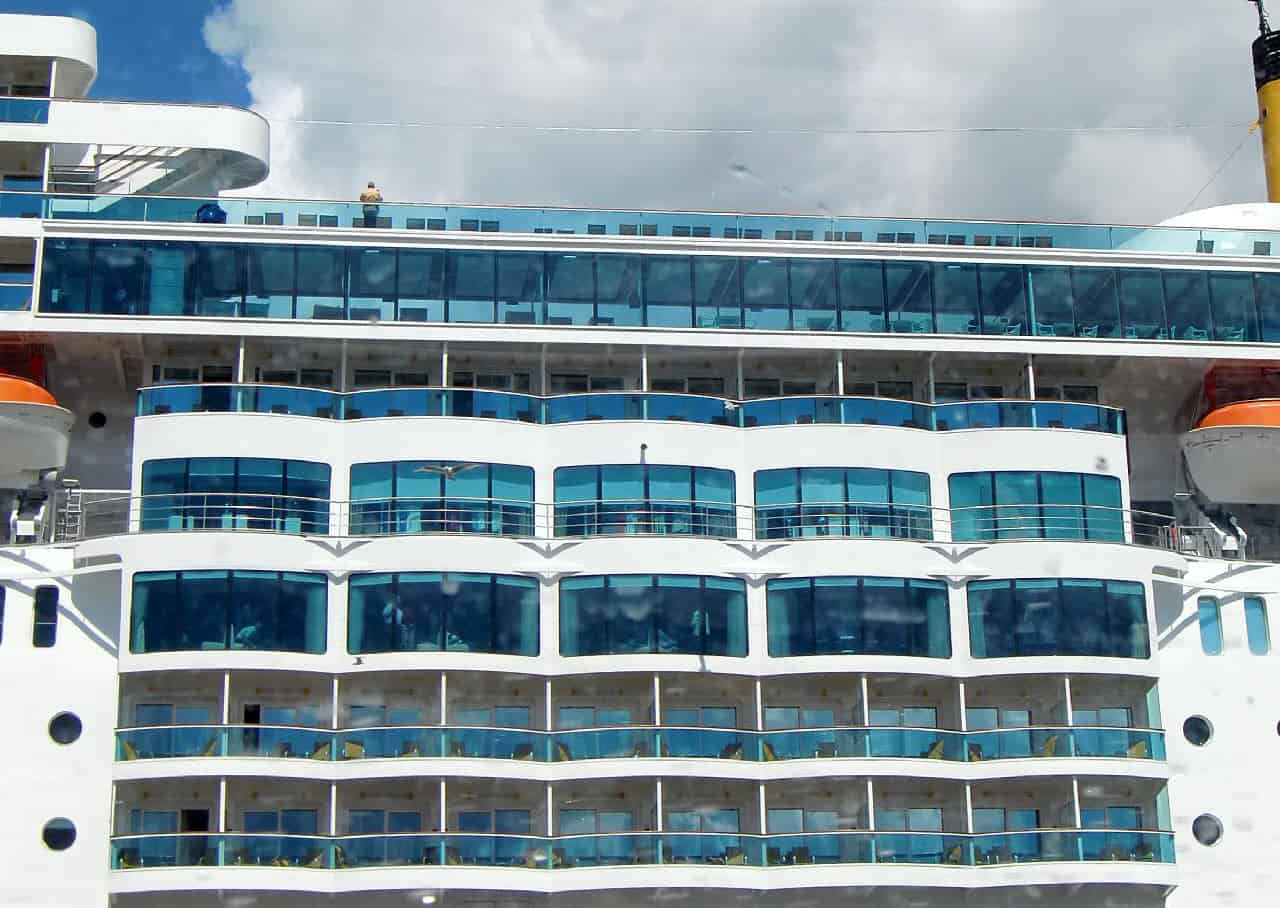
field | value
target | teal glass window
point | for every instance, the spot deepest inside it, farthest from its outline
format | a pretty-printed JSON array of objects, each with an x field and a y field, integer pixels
[
  {"x": 645, "y": 613},
  {"x": 886, "y": 616},
  {"x": 835, "y": 501},
  {"x": 574, "y": 288},
  {"x": 1255, "y": 625},
  {"x": 1035, "y": 505},
  {"x": 655, "y": 499},
  {"x": 1052, "y": 617},
  {"x": 217, "y": 493},
  {"x": 181, "y": 611},
  {"x": 1209, "y": 614},
  {"x": 411, "y": 612},
  {"x": 441, "y": 496}
]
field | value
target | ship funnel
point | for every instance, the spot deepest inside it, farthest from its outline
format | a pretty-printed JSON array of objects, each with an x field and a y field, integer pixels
[{"x": 1266, "y": 77}]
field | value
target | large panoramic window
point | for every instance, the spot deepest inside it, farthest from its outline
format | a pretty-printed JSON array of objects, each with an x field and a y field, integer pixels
[
  {"x": 645, "y": 613},
  {"x": 1035, "y": 505},
  {"x": 441, "y": 496},
  {"x": 836, "y": 501},
  {"x": 582, "y": 288},
  {"x": 175, "y": 611},
  {"x": 1053, "y": 617},
  {"x": 872, "y": 616},
  {"x": 644, "y": 498},
  {"x": 433, "y": 612},
  {"x": 215, "y": 493}
]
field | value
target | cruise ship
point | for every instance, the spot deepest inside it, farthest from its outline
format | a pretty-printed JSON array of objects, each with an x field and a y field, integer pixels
[{"x": 415, "y": 554}]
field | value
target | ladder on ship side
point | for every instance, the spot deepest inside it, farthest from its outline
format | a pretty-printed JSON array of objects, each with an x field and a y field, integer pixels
[{"x": 70, "y": 523}]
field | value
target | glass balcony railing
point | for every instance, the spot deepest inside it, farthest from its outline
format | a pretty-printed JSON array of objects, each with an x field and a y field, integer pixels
[
  {"x": 24, "y": 110},
  {"x": 641, "y": 848},
  {"x": 221, "y": 850},
  {"x": 489, "y": 516},
  {"x": 646, "y": 517},
  {"x": 637, "y": 741},
  {"x": 800, "y": 228},
  {"x": 613, "y": 406},
  {"x": 14, "y": 297}
]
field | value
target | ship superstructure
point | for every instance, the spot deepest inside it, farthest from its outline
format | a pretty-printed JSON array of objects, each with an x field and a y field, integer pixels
[{"x": 424, "y": 554}]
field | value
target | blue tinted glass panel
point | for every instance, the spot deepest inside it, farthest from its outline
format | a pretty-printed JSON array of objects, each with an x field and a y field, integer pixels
[
  {"x": 1052, "y": 302},
  {"x": 1004, "y": 299},
  {"x": 1255, "y": 623},
  {"x": 764, "y": 294},
  {"x": 1210, "y": 618},
  {"x": 908, "y": 297},
  {"x": 862, "y": 304}
]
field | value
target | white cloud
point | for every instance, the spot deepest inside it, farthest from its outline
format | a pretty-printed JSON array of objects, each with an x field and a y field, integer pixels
[{"x": 733, "y": 64}]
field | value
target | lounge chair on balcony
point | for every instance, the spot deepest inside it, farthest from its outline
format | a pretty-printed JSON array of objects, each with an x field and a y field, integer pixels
[
  {"x": 322, "y": 751},
  {"x": 772, "y": 856},
  {"x": 410, "y": 749},
  {"x": 954, "y": 855},
  {"x": 733, "y": 751},
  {"x": 562, "y": 754},
  {"x": 522, "y": 751},
  {"x": 1050, "y": 746},
  {"x": 352, "y": 750},
  {"x": 934, "y": 752},
  {"x": 128, "y": 751},
  {"x": 313, "y": 858},
  {"x": 826, "y": 749},
  {"x": 735, "y": 855},
  {"x": 800, "y": 855},
  {"x": 767, "y": 752},
  {"x": 1137, "y": 750},
  {"x": 975, "y": 752}
]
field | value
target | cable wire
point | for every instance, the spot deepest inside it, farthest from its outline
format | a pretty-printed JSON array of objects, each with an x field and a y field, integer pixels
[
  {"x": 1217, "y": 173},
  {"x": 783, "y": 131}
]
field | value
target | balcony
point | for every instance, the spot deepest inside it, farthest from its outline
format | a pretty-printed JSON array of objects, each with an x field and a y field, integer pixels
[
  {"x": 654, "y": 224},
  {"x": 160, "y": 400},
  {"x": 805, "y": 718}
]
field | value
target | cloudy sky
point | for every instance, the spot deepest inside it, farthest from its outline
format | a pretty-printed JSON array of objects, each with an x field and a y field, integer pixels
[{"x": 740, "y": 104}]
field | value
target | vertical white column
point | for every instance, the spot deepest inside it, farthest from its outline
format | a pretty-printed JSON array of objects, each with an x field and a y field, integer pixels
[
  {"x": 840, "y": 372},
  {"x": 759, "y": 705},
  {"x": 1066, "y": 699},
  {"x": 644, "y": 368},
  {"x": 550, "y": 722},
  {"x": 444, "y": 806},
  {"x": 764, "y": 812},
  {"x": 240, "y": 363},
  {"x": 963, "y": 701},
  {"x": 657, "y": 820},
  {"x": 221, "y": 823},
  {"x": 444, "y": 364},
  {"x": 657, "y": 699},
  {"x": 333, "y": 808},
  {"x": 871, "y": 805},
  {"x": 551, "y": 811},
  {"x": 741, "y": 382},
  {"x": 336, "y": 701},
  {"x": 866, "y": 700},
  {"x": 968, "y": 807},
  {"x": 1031, "y": 377},
  {"x": 342, "y": 365},
  {"x": 1075, "y": 800},
  {"x": 444, "y": 698},
  {"x": 226, "y": 697}
]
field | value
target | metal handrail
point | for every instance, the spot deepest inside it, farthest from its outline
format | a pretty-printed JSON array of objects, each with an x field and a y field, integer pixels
[{"x": 113, "y": 513}]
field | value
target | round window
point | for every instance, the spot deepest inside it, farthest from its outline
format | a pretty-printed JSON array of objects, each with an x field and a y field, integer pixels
[
  {"x": 65, "y": 728},
  {"x": 59, "y": 834},
  {"x": 1207, "y": 829},
  {"x": 97, "y": 419},
  {"x": 1197, "y": 730}
]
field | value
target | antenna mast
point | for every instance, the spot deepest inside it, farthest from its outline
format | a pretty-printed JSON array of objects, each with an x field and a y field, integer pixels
[{"x": 1263, "y": 25}]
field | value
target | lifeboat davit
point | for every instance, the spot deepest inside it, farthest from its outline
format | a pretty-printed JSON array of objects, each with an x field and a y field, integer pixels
[
  {"x": 1234, "y": 453},
  {"x": 34, "y": 432}
]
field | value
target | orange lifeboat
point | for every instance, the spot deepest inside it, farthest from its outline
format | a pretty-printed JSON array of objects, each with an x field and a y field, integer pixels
[
  {"x": 34, "y": 432},
  {"x": 1233, "y": 453}
]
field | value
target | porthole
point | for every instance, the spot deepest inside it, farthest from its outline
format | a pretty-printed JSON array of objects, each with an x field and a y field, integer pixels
[
  {"x": 1207, "y": 829},
  {"x": 1197, "y": 730},
  {"x": 65, "y": 728},
  {"x": 59, "y": 834},
  {"x": 97, "y": 419}
]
